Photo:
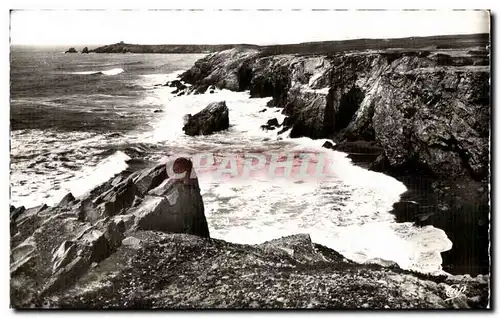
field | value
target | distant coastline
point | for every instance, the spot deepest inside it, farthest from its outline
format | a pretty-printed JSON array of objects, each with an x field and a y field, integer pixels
[
  {"x": 441, "y": 41},
  {"x": 438, "y": 42}
]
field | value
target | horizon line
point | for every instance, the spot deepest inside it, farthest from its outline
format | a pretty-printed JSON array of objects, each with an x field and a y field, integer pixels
[{"x": 253, "y": 44}]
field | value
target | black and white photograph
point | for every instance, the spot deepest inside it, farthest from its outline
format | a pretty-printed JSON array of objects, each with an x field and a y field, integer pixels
[{"x": 248, "y": 160}]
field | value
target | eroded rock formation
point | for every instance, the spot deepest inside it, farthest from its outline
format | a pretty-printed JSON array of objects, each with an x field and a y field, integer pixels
[
  {"x": 427, "y": 109},
  {"x": 53, "y": 247},
  {"x": 213, "y": 118}
]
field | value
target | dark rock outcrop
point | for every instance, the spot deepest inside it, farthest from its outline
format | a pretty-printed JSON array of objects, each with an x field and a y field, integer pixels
[
  {"x": 213, "y": 118},
  {"x": 271, "y": 124},
  {"x": 144, "y": 255},
  {"x": 71, "y": 50},
  {"x": 178, "y": 85},
  {"x": 85, "y": 50},
  {"x": 122, "y": 47},
  {"x": 327, "y": 145},
  {"x": 429, "y": 108},
  {"x": 68, "y": 198},
  {"x": 52, "y": 247},
  {"x": 419, "y": 115}
]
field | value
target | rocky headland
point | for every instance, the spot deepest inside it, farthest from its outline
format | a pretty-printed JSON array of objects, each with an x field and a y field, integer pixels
[
  {"x": 141, "y": 240},
  {"x": 122, "y": 47},
  {"x": 421, "y": 115}
]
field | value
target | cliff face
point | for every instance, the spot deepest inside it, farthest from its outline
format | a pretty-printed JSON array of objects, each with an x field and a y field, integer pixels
[
  {"x": 428, "y": 110},
  {"x": 419, "y": 115}
]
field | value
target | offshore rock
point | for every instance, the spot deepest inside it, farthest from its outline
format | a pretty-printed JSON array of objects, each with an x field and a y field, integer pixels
[{"x": 213, "y": 118}]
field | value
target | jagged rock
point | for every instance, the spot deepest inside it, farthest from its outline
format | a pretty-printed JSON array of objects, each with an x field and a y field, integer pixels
[
  {"x": 148, "y": 179},
  {"x": 23, "y": 256},
  {"x": 200, "y": 90},
  {"x": 327, "y": 145},
  {"x": 164, "y": 188},
  {"x": 179, "y": 211},
  {"x": 132, "y": 242},
  {"x": 403, "y": 100},
  {"x": 16, "y": 212},
  {"x": 71, "y": 50},
  {"x": 127, "y": 220},
  {"x": 85, "y": 50},
  {"x": 289, "y": 272},
  {"x": 213, "y": 118},
  {"x": 271, "y": 124},
  {"x": 116, "y": 199},
  {"x": 68, "y": 198},
  {"x": 221, "y": 69},
  {"x": 178, "y": 85},
  {"x": 64, "y": 255}
]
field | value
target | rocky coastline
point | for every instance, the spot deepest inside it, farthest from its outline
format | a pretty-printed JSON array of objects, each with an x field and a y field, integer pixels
[{"x": 141, "y": 241}]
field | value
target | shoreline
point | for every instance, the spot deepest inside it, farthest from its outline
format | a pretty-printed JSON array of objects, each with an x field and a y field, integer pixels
[
  {"x": 422, "y": 205},
  {"x": 114, "y": 249}
]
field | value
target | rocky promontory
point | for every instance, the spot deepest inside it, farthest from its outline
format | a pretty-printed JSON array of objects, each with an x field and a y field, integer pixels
[
  {"x": 416, "y": 109},
  {"x": 141, "y": 240}
]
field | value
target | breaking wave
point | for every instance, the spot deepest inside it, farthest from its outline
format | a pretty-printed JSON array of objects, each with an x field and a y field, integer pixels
[{"x": 114, "y": 71}]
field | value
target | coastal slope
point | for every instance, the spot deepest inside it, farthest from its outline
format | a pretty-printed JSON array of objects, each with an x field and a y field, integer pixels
[
  {"x": 419, "y": 112},
  {"x": 140, "y": 240}
]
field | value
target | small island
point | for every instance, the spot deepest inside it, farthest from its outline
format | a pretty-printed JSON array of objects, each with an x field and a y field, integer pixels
[{"x": 71, "y": 50}]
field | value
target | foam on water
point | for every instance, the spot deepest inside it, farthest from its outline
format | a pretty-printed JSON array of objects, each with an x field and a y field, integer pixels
[
  {"x": 67, "y": 154},
  {"x": 348, "y": 211},
  {"x": 114, "y": 71}
]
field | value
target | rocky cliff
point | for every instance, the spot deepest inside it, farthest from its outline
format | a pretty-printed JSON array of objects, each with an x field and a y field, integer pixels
[
  {"x": 425, "y": 109},
  {"x": 141, "y": 240},
  {"x": 421, "y": 115}
]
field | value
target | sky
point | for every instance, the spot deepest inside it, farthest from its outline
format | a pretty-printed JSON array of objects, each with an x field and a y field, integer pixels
[{"x": 85, "y": 27}]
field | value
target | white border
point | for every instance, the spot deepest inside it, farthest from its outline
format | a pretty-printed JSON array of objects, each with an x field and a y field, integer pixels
[{"x": 200, "y": 4}]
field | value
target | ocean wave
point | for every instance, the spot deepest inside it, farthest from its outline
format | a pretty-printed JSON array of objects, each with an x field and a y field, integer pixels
[{"x": 114, "y": 71}]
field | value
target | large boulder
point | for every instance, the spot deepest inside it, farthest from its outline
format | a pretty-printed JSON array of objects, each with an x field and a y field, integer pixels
[
  {"x": 71, "y": 50},
  {"x": 213, "y": 118},
  {"x": 85, "y": 50}
]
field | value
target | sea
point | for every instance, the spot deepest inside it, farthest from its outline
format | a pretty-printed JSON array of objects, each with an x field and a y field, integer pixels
[{"x": 76, "y": 119}]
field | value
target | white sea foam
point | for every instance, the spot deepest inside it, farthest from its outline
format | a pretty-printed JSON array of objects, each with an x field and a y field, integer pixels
[
  {"x": 67, "y": 154},
  {"x": 348, "y": 212},
  {"x": 114, "y": 71}
]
